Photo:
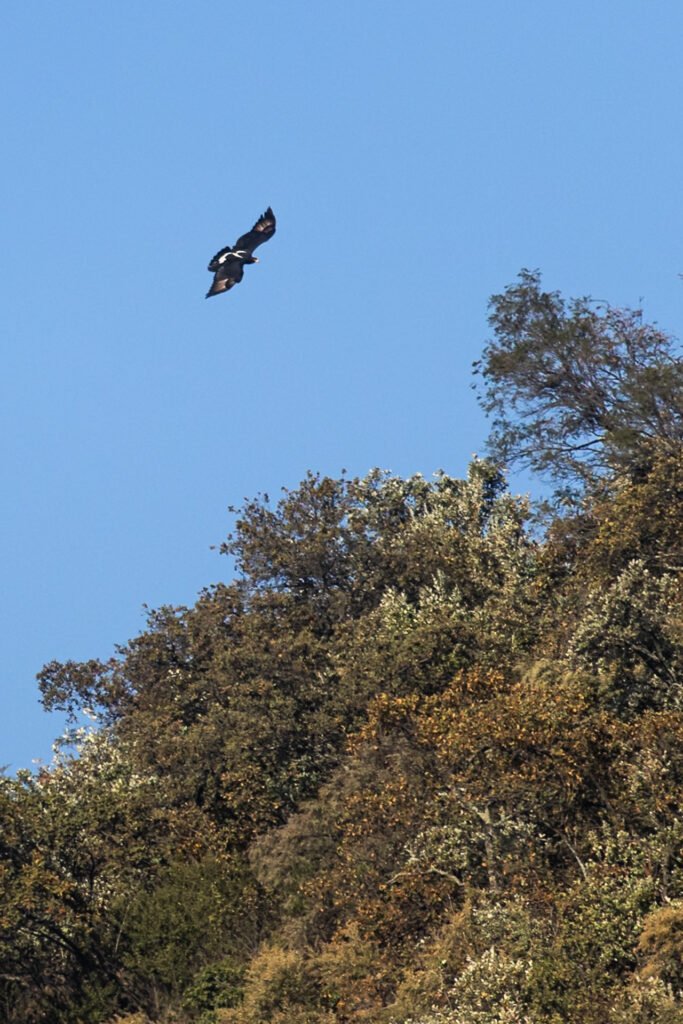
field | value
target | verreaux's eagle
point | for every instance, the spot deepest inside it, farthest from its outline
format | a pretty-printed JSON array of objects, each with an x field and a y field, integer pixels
[{"x": 227, "y": 266}]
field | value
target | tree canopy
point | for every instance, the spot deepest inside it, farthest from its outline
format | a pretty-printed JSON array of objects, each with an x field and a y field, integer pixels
[{"x": 415, "y": 762}]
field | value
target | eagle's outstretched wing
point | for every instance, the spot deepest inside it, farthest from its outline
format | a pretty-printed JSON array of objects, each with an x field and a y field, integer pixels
[
  {"x": 263, "y": 229},
  {"x": 228, "y": 274}
]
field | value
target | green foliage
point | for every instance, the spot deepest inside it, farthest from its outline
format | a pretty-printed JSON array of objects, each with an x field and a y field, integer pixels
[
  {"x": 218, "y": 985},
  {"x": 629, "y": 633},
  {"x": 191, "y": 933}
]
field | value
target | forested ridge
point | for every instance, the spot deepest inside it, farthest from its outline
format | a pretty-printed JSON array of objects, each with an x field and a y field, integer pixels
[{"x": 421, "y": 760}]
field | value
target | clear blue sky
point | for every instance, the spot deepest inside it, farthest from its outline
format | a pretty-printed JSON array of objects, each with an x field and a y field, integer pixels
[{"x": 417, "y": 155}]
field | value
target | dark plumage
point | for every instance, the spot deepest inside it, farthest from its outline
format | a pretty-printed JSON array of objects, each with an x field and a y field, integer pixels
[{"x": 227, "y": 266}]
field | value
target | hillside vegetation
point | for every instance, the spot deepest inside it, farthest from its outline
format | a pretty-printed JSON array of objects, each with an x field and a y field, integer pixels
[{"x": 422, "y": 760}]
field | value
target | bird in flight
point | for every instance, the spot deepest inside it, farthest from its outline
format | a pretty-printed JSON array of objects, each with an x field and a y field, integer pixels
[{"x": 227, "y": 266}]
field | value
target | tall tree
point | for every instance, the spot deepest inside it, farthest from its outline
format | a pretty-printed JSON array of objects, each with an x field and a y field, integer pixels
[{"x": 577, "y": 389}]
